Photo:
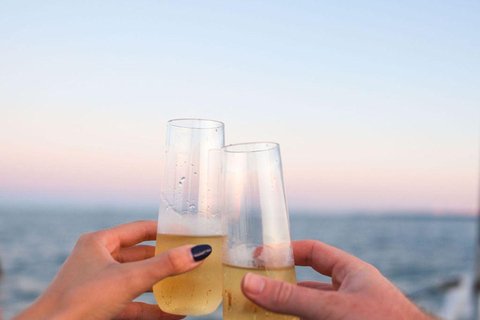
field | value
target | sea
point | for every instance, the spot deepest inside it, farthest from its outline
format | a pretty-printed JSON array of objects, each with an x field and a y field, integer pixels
[{"x": 416, "y": 252}]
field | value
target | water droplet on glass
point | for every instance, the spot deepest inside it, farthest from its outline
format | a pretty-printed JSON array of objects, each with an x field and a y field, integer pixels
[
  {"x": 193, "y": 165},
  {"x": 192, "y": 206},
  {"x": 195, "y": 173},
  {"x": 181, "y": 181}
]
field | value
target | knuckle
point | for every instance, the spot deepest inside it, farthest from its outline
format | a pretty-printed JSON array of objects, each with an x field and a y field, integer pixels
[
  {"x": 372, "y": 269},
  {"x": 148, "y": 252},
  {"x": 283, "y": 293},
  {"x": 175, "y": 261},
  {"x": 314, "y": 247},
  {"x": 86, "y": 238}
]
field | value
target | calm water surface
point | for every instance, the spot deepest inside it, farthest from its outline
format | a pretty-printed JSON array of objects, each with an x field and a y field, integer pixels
[{"x": 413, "y": 252}]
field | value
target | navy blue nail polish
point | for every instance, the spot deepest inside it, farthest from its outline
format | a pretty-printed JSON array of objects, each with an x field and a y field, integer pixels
[{"x": 201, "y": 251}]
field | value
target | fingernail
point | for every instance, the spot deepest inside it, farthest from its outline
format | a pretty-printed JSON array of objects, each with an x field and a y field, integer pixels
[
  {"x": 254, "y": 283},
  {"x": 201, "y": 251}
]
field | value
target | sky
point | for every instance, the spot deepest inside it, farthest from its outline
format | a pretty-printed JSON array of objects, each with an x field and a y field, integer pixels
[{"x": 375, "y": 104}]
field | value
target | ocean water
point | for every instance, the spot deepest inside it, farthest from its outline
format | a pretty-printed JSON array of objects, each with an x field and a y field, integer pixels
[{"x": 413, "y": 252}]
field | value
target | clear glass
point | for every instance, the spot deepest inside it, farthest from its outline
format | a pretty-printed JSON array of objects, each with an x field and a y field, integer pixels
[
  {"x": 256, "y": 225},
  {"x": 185, "y": 216}
]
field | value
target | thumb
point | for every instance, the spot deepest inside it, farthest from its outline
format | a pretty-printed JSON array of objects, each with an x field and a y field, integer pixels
[
  {"x": 142, "y": 275},
  {"x": 287, "y": 298}
]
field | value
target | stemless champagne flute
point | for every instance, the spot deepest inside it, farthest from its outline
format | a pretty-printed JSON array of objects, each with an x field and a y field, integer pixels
[
  {"x": 185, "y": 217},
  {"x": 256, "y": 225}
]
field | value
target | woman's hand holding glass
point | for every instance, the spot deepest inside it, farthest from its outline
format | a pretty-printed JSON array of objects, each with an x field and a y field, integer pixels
[{"x": 107, "y": 270}]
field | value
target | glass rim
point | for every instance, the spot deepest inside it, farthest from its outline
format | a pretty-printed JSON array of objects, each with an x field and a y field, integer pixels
[
  {"x": 267, "y": 147},
  {"x": 177, "y": 123}
]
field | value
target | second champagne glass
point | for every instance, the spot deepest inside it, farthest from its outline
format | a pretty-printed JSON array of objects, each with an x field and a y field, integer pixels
[
  {"x": 256, "y": 225},
  {"x": 185, "y": 216}
]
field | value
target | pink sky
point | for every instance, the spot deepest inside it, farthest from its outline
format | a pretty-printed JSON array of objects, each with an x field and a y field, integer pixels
[{"x": 125, "y": 166}]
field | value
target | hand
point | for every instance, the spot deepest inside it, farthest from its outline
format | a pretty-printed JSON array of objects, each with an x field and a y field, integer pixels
[
  {"x": 107, "y": 270},
  {"x": 358, "y": 290}
]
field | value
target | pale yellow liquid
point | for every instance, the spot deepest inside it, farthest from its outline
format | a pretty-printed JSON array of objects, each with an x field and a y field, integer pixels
[
  {"x": 236, "y": 306},
  {"x": 198, "y": 291}
]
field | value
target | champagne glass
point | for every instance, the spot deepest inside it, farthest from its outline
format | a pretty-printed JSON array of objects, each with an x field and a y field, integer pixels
[
  {"x": 256, "y": 225},
  {"x": 185, "y": 217}
]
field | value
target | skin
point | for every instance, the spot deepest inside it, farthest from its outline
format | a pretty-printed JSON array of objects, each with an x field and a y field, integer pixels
[
  {"x": 105, "y": 272},
  {"x": 108, "y": 269},
  {"x": 358, "y": 290}
]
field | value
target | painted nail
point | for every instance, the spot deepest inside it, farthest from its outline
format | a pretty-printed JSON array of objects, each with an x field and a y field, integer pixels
[
  {"x": 254, "y": 283},
  {"x": 201, "y": 251}
]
